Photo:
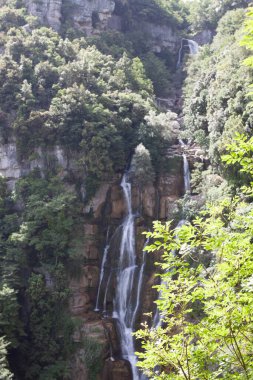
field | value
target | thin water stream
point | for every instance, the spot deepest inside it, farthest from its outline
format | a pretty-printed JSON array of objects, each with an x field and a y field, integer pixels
[
  {"x": 123, "y": 308},
  {"x": 189, "y": 44}
]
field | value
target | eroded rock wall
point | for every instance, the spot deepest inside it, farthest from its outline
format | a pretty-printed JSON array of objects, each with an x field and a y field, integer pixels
[
  {"x": 95, "y": 16},
  {"x": 104, "y": 215},
  {"x": 48, "y": 12},
  {"x": 12, "y": 168},
  {"x": 86, "y": 15}
]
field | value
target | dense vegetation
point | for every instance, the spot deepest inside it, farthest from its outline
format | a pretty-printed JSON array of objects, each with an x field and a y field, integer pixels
[
  {"x": 93, "y": 99},
  {"x": 206, "y": 286},
  {"x": 95, "y": 104}
]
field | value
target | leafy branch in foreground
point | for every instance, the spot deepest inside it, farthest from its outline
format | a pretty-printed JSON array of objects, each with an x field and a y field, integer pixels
[{"x": 205, "y": 293}]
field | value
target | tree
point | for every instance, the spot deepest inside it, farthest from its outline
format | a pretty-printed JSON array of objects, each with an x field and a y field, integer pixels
[
  {"x": 142, "y": 172},
  {"x": 206, "y": 286},
  {"x": 5, "y": 374},
  {"x": 205, "y": 293}
]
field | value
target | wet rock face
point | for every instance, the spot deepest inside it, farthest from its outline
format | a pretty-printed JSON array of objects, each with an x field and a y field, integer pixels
[
  {"x": 104, "y": 216},
  {"x": 117, "y": 369}
]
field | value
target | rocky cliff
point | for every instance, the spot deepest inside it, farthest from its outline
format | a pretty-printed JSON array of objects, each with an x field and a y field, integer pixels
[
  {"x": 103, "y": 216},
  {"x": 95, "y": 16}
]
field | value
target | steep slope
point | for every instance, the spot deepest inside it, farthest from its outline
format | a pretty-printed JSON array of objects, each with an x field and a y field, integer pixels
[{"x": 71, "y": 118}]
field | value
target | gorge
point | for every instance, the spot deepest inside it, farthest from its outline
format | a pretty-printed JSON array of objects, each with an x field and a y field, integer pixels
[{"x": 115, "y": 117}]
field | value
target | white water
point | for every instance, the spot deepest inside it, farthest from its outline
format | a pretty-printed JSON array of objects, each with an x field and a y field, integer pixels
[
  {"x": 103, "y": 265},
  {"x": 123, "y": 308},
  {"x": 187, "y": 176},
  {"x": 193, "y": 47},
  {"x": 102, "y": 275},
  {"x": 140, "y": 281},
  {"x": 106, "y": 292}
]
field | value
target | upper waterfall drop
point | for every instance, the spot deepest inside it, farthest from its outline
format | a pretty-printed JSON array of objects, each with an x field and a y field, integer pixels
[
  {"x": 193, "y": 46},
  {"x": 189, "y": 44}
]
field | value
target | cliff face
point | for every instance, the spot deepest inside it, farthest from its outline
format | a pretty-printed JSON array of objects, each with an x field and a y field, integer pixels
[
  {"x": 95, "y": 16},
  {"x": 91, "y": 16},
  {"x": 48, "y": 12},
  {"x": 12, "y": 168},
  {"x": 105, "y": 213},
  {"x": 85, "y": 15},
  {"x": 104, "y": 216}
]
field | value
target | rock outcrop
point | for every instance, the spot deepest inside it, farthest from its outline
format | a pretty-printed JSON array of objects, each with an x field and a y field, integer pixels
[
  {"x": 90, "y": 16},
  {"x": 48, "y": 12},
  {"x": 95, "y": 16},
  {"x": 104, "y": 216},
  {"x": 161, "y": 37},
  {"x": 12, "y": 168}
]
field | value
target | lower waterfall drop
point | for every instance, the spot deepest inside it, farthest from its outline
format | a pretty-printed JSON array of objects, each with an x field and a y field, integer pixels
[
  {"x": 187, "y": 176},
  {"x": 123, "y": 305}
]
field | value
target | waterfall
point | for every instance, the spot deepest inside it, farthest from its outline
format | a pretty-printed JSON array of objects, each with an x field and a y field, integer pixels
[
  {"x": 106, "y": 292},
  {"x": 140, "y": 281},
  {"x": 180, "y": 52},
  {"x": 102, "y": 271},
  {"x": 123, "y": 308},
  {"x": 120, "y": 271},
  {"x": 191, "y": 45},
  {"x": 187, "y": 177}
]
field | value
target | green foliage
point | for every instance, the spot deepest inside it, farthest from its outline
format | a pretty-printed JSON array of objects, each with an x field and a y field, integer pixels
[
  {"x": 50, "y": 329},
  {"x": 158, "y": 72},
  {"x": 40, "y": 242},
  {"x": 206, "y": 331},
  {"x": 91, "y": 356},
  {"x": 10, "y": 16},
  {"x": 156, "y": 132},
  {"x": 205, "y": 14},
  {"x": 10, "y": 325},
  {"x": 5, "y": 374},
  {"x": 216, "y": 103},
  {"x": 162, "y": 11},
  {"x": 57, "y": 91},
  {"x": 48, "y": 221},
  {"x": 142, "y": 172}
]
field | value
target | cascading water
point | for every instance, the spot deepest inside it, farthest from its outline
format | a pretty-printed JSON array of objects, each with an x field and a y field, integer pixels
[
  {"x": 187, "y": 177},
  {"x": 193, "y": 46},
  {"x": 121, "y": 272},
  {"x": 123, "y": 306},
  {"x": 139, "y": 286},
  {"x": 104, "y": 262},
  {"x": 189, "y": 44}
]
